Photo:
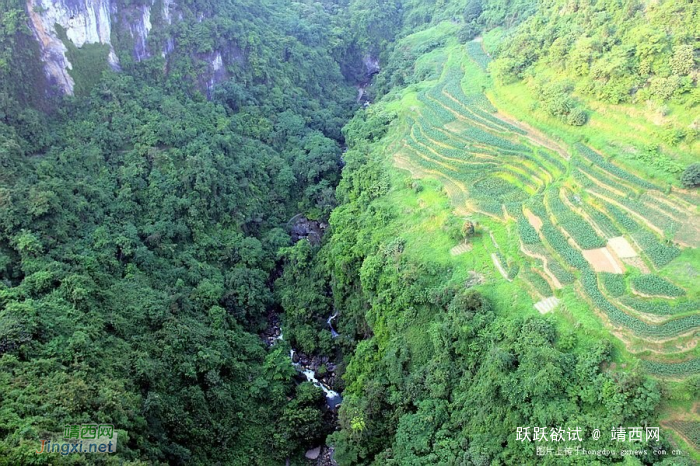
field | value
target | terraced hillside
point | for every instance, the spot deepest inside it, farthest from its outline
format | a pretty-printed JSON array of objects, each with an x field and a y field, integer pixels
[{"x": 562, "y": 221}]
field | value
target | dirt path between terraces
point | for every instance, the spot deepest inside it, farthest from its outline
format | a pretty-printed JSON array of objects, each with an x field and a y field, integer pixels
[
  {"x": 554, "y": 280},
  {"x": 534, "y": 135}
]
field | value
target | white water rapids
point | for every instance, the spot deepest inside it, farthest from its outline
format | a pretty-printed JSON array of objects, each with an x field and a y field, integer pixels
[{"x": 333, "y": 398}]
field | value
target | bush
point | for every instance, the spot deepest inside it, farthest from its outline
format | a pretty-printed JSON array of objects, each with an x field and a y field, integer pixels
[
  {"x": 577, "y": 117},
  {"x": 467, "y": 32},
  {"x": 683, "y": 60},
  {"x": 691, "y": 176}
]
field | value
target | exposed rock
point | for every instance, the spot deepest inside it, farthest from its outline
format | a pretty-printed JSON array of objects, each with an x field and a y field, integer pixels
[
  {"x": 140, "y": 26},
  {"x": 272, "y": 333},
  {"x": 167, "y": 12},
  {"x": 85, "y": 22},
  {"x": 371, "y": 65},
  {"x": 473, "y": 279},
  {"x": 303, "y": 228},
  {"x": 95, "y": 22},
  {"x": 217, "y": 70},
  {"x": 313, "y": 454},
  {"x": 92, "y": 22},
  {"x": 327, "y": 457}
]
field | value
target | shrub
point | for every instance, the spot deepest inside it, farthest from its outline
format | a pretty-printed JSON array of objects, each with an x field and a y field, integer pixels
[
  {"x": 467, "y": 32},
  {"x": 683, "y": 60},
  {"x": 691, "y": 176},
  {"x": 577, "y": 117}
]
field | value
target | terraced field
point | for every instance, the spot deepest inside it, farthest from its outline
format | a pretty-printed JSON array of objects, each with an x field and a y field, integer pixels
[{"x": 573, "y": 218}]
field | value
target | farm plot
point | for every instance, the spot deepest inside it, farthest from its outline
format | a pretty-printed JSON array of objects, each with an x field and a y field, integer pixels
[
  {"x": 576, "y": 222},
  {"x": 576, "y": 226},
  {"x": 538, "y": 282},
  {"x": 661, "y": 307},
  {"x": 599, "y": 161},
  {"x": 602, "y": 260},
  {"x": 477, "y": 54},
  {"x": 614, "y": 284},
  {"x": 665, "y": 369},
  {"x": 652, "y": 285},
  {"x": 688, "y": 429}
]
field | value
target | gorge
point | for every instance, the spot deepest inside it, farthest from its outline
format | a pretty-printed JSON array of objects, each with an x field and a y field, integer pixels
[{"x": 350, "y": 232}]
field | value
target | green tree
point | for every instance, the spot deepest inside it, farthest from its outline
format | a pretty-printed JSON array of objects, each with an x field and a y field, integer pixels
[{"x": 691, "y": 176}]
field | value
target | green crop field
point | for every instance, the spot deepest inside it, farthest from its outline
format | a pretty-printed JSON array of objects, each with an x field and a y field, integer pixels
[
  {"x": 495, "y": 168},
  {"x": 556, "y": 216}
]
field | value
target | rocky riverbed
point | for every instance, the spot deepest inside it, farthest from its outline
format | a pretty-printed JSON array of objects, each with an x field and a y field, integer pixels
[{"x": 317, "y": 369}]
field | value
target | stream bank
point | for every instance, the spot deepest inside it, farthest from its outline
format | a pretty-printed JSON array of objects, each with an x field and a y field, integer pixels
[{"x": 320, "y": 371}]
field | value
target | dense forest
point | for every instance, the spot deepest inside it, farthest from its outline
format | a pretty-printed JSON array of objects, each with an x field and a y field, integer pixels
[
  {"x": 146, "y": 241},
  {"x": 141, "y": 230}
]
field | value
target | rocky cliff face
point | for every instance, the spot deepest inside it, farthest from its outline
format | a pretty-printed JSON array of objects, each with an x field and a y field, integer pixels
[
  {"x": 94, "y": 22},
  {"x": 139, "y": 25},
  {"x": 99, "y": 21},
  {"x": 85, "y": 22}
]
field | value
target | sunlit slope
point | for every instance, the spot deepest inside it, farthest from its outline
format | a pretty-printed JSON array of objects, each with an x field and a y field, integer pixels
[{"x": 560, "y": 221}]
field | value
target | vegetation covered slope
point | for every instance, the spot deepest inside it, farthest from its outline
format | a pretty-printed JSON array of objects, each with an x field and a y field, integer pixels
[
  {"x": 417, "y": 392},
  {"x": 632, "y": 66},
  {"x": 143, "y": 229},
  {"x": 139, "y": 231}
]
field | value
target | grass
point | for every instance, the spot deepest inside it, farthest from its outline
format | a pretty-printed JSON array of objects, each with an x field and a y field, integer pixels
[
  {"x": 684, "y": 271},
  {"x": 619, "y": 131}
]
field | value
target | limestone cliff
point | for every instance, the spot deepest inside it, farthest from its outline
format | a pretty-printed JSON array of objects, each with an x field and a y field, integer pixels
[
  {"x": 89, "y": 22},
  {"x": 85, "y": 22},
  {"x": 109, "y": 22}
]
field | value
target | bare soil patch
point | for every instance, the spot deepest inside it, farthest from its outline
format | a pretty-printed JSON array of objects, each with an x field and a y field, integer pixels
[
  {"x": 498, "y": 265},
  {"x": 636, "y": 262},
  {"x": 534, "y": 220},
  {"x": 602, "y": 260},
  {"x": 650, "y": 296},
  {"x": 622, "y": 247},
  {"x": 689, "y": 233},
  {"x": 474, "y": 279}
]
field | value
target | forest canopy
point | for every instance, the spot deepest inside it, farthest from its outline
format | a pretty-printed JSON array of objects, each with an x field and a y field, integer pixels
[{"x": 147, "y": 239}]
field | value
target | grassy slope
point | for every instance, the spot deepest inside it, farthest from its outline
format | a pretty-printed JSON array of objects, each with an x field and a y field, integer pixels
[
  {"x": 425, "y": 215},
  {"x": 617, "y": 130}
]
